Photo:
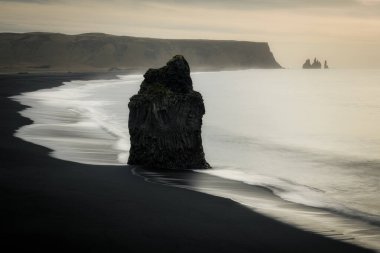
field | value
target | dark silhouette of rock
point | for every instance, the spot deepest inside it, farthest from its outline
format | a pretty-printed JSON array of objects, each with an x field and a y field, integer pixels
[
  {"x": 325, "y": 65},
  {"x": 175, "y": 76},
  {"x": 165, "y": 120},
  {"x": 100, "y": 52},
  {"x": 307, "y": 64},
  {"x": 315, "y": 65}
]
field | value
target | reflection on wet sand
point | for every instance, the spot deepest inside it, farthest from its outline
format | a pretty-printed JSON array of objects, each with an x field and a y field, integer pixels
[{"x": 264, "y": 201}]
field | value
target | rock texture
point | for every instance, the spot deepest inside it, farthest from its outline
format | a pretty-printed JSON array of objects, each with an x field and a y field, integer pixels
[{"x": 165, "y": 120}]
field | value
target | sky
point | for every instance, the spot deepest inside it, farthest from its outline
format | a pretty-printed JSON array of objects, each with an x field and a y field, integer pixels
[{"x": 344, "y": 32}]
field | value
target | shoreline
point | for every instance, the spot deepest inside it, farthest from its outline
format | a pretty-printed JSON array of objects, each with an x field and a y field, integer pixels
[
  {"x": 263, "y": 200},
  {"x": 84, "y": 207}
]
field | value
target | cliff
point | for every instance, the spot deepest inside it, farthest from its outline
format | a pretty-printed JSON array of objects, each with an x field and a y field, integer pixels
[
  {"x": 165, "y": 120},
  {"x": 41, "y": 52}
]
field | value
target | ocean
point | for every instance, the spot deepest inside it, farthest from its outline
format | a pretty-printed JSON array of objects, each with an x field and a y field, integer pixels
[{"x": 300, "y": 146}]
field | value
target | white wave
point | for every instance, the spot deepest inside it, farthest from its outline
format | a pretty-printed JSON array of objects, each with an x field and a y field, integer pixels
[
  {"x": 287, "y": 190},
  {"x": 77, "y": 122},
  {"x": 291, "y": 191}
]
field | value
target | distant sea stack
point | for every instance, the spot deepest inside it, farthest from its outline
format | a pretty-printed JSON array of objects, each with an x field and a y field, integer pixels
[
  {"x": 43, "y": 52},
  {"x": 315, "y": 65},
  {"x": 325, "y": 66},
  {"x": 165, "y": 120}
]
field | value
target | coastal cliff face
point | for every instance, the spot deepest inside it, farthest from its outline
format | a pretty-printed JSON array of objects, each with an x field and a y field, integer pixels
[
  {"x": 42, "y": 52},
  {"x": 165, "y": 120}
]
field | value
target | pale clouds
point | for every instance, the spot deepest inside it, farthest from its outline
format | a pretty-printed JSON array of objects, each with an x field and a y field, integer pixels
[{"x": 346, "y": 32}]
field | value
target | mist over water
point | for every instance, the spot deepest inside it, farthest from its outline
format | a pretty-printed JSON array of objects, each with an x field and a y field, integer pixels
[
  {"x": 314, "y": 128},
  {"x": 311, "y": 137}
]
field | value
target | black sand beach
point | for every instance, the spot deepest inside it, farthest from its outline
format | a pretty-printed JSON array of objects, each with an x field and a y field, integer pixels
[{"x": 54, "y": 205}]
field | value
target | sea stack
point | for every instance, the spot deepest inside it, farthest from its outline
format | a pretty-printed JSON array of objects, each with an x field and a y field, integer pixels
[
  {"x": 307, "y": 64},
  {"x": 315, "y": 65},
  {"x": 165, "y": 120},
  {"x": 325, "y": 66}
]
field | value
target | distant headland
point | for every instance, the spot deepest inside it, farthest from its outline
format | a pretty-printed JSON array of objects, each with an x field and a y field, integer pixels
[
  {"x": 315, "y": 65},
  {"x": 54, "y": 52}
]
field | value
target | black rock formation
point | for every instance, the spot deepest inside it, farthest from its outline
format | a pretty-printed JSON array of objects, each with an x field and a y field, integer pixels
[
  {"x": 325, "y": 66},
  {"x": 307, "y": 64},
  {"x": 315, "y": 65},
  {"x": 165, "y": 120}
]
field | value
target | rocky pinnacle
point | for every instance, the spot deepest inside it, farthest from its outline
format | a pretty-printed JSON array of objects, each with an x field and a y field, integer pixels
[{"x": 165, "y": 120}]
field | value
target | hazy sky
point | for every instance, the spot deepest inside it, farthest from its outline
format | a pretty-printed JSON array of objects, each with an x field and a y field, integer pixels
[{"x": 345, "y": 32}]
